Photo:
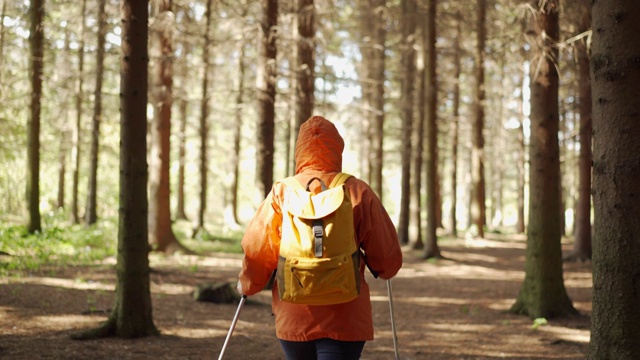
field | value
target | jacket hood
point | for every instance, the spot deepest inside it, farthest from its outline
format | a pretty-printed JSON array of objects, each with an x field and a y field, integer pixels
[{"x": 319, "y": 146}]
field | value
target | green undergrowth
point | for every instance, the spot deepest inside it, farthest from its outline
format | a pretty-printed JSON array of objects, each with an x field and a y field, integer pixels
[
  {"x": 58, "y": 244},
  {"x": 61, "y": 244},
  {"x": 213, "y": 239}
]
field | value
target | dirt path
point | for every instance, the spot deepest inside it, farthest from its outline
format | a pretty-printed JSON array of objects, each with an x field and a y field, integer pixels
[{"x": 450, "y": 309}]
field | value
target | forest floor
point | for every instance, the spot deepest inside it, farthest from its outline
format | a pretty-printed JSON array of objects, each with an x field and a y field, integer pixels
[{"x": 447, "y": 309}]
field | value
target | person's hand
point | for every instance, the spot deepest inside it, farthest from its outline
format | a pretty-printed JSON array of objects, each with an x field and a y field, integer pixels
[{"x": 239, "y": 287}]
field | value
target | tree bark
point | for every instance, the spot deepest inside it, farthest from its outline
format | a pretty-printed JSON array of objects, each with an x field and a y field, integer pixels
[
  {"x": 131, "y": 316},
  {"x": 77, "y": 136},
  {"x": 615, "y": 76},
  {"x": 204, "y": 126},
  {"x": 373, "y": 22},
  {"x": 408, "y": 21},
  {"x": 306, "y": 63},
  {"x": 36, "y": 65},
  {"x": 522, "y": 159},
  {"x": 431, "y": 248},
  {"x": 183, "y": 104},
  {"x": 416, "y": 240},
  {"x": 582, "y": 239},
  {"x": 91, "y": 215},
  {"x": 543, "y": 294},
  {"x": 478, "y": 209},
  {"x": 161, "y": 236},
  {"x": 266, "y": 89},
  {"x": 376, "y": 153},
  {"x": 63, "y": 149},
  {"x": 237, "y": 132},
  {"x": 455, "y": 128},
  {"x": 497, "y": 172}
]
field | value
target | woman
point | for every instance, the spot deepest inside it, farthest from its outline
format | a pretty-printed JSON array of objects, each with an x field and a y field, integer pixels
[{"x": 321, "y": 331}]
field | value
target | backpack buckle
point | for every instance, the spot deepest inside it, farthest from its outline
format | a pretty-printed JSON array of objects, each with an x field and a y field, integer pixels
[{"x": 318, "y": 232}]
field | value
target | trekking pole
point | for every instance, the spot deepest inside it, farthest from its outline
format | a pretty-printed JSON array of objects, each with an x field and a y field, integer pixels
[
  {"x": 393, "y": 321},
  {"x": 233, "y": 325}
]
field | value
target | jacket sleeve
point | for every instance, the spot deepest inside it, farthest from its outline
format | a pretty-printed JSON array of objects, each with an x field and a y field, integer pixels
[
  {"x": 376, "y": 233},
  {"x": 260, "y": 244}
]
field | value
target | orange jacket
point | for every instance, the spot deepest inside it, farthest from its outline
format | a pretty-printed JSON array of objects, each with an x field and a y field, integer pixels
[{"x": 319, "y": 154}]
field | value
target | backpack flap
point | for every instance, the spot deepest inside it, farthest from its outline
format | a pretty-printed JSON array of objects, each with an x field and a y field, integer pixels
[{"x": 306, "y": 205}]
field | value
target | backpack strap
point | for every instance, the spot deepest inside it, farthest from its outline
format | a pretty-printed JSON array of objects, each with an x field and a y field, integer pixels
[
  {"x": 293, "y": 182},
  {"x": 339, "y": 179}
]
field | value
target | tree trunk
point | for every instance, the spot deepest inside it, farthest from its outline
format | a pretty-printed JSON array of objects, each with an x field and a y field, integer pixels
[
  {"x": 36, "y": 65},
  {"x": 497, "y": 165},
  {"x": 615, "y": 76},
  {"x": 131, "y": 316},
  {"x": 182, "y": 135},
  {"x": 582, "y": 238},
  {"x": 77, "y": 136},
  {"x": 366, "y": 23},
  {"x": 64, "y": 119},
  {"x": 416, "y": 204},
  {"x": 408, "y": 21},
  {"x": 237, "y": 132},
  {"x": 183, "y": 105},
  {"x": 376, "y": 152},
  {"x": 291, "y": 55},
  {"x": 161, "y": 236},
  {"x": 478, "y": 209},
  {"x": 455, "y": 128},
  {"x": 522, "y": 159},
  {"x": 543, "y": 294},
  {"x": 204, "y": 126},
  {"x": 306, "y": 30},
  {"x": 266, "y": 91},
  {"x": 431, "y": 248},
  {"x": 373, "y": 22},
  {"x": 91, "y": 215}
]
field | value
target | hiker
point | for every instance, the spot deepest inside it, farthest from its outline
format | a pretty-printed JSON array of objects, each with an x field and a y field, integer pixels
[{"x": 337, "y": 331}]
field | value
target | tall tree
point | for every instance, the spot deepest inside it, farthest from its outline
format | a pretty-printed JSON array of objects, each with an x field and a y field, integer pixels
[
  {"x": 161, "y": 234},
  {"x": 64, "y": 138},
  {"x": 306, "y": 62},
  {"x": 408, "y": 54},
  {"x": 77, "y": 136},
  {"x": 36, "y": 65},
  {"x": 416, "y": 204},
  {"x": 522, "y": 159},
  {"x": 582, "y": 239},
  {"x": 373, "y": 25},
  {"x": 266, "y": 86},
  {"x": 91, "y": 215},
  {"x": 455, "y": 126},
  {"x": 131, "y": 316},
  {"x": 183, "y": 104},
  {"x": 478, "y": 209},
  {"x": 204, "y": 120},
  {"x": 542, "y": 293},
  {"x": 378, "y": 67},
  {"x": 237, "y": 131},
  {"x": 431, "y": 248},
  {"x": 615, "y": 76}
]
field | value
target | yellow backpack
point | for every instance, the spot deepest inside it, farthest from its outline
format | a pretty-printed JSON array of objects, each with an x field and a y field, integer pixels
[{"x": 319, "y": 260}]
